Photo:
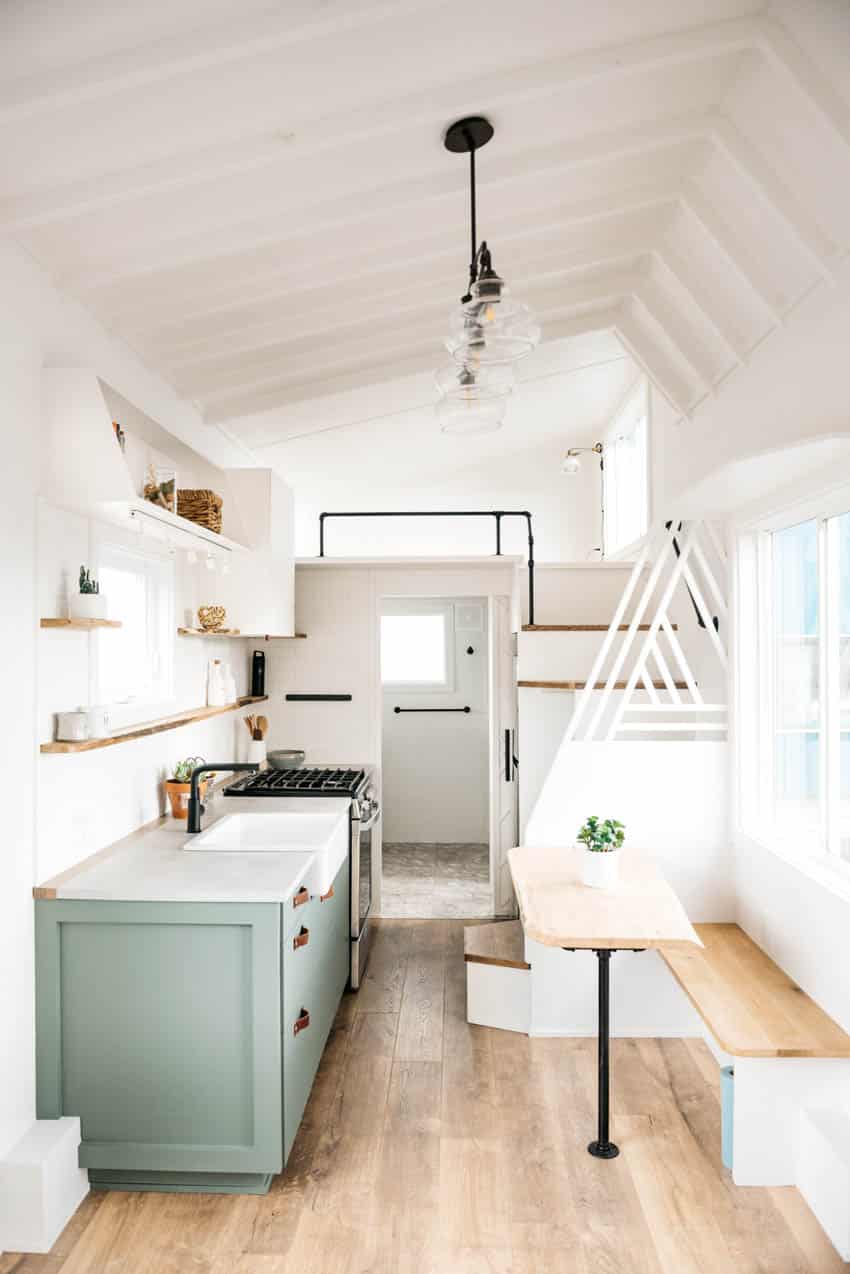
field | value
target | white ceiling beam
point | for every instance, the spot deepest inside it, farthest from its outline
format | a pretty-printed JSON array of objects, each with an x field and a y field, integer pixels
[
  {"x": 536, "y": 165},
  {"x": 437, "y": 297},
  {"x": 697, "y": 298},
  {"x": 713, "y": 225},
  {"x": 425, "y": 324},
  {"x": 809, "y": 80},
  {"x": 650, "y": 297},
  {"x": 120, "y": 72},
  {"x": 203, "y": 48},
  {"x": 626, "y": 216},
  {"x": 249, "y": 401},
  {"x": 647, "y": 355},
  {"x": 777, "y": 194}
]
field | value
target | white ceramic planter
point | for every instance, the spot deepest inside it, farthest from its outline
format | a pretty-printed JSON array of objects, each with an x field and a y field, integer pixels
[
  {"x": 88, "y": 606},
  {"x": 601, "y": 870}
]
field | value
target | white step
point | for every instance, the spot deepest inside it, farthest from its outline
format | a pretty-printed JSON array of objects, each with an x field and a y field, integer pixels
[
  {"x": 567, "y": 652},
  {"x": 498, "y": 977}
]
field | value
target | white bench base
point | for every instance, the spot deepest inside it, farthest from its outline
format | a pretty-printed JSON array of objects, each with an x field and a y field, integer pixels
[{"x": 41, "y": 1186}]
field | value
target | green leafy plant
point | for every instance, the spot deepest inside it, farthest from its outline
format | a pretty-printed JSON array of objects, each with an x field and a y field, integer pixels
[
  {"x": 183, "y": 769},
  {"x": 602, "y": 837},
  {"x": 88, "y": 583}
]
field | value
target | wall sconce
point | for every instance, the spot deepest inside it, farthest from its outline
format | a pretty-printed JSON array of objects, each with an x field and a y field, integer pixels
[{"x": 571, "y": 462}]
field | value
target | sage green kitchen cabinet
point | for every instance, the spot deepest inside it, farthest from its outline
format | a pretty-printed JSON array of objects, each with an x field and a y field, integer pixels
[{"x": 186, "y": 1035}]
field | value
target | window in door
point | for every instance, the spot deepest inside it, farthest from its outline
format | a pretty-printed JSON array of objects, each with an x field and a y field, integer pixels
[{"x": 416, "y": 648}]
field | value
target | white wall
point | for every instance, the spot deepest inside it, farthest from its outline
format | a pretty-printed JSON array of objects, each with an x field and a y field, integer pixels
[
  {"x": 19, "y": 425},
  {"x": 38, "y": 328},
  {"x": 436, "y": 783}
]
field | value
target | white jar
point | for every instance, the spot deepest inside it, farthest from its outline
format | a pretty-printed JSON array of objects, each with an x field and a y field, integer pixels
[
  {"x": 257, "y": 752},
  {"x": 216, "y": 693},
  {"x": 601, "y": 868},
  {"x": 88, "y": 606},
  {"x": 72, "y": 727},
  {"x": 98, "y": 722}
]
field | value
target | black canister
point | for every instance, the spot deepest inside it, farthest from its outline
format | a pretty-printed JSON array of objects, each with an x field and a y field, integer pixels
[{"x": 258, "y": 674}]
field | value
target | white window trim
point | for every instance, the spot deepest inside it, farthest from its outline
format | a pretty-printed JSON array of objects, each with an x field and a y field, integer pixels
[
  {"x": 636, "y": 399},
  {"x": 426, "y": 606},
  {"x": 753, "y": 676},
  {"x": 123, "y": 715}
]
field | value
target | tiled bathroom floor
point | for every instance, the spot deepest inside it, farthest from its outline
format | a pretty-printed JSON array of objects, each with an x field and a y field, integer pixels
[{"x": 436, "y": 881}]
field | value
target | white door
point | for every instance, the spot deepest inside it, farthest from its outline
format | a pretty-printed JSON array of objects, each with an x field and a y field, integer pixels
[{"x": 504, "y": 800}]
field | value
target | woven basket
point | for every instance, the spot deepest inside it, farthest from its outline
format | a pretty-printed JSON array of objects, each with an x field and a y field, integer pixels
[{"x": 203, "y": 507}]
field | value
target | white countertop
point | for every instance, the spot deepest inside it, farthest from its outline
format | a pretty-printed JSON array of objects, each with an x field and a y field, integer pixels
[{"x": 151, "y": 864}]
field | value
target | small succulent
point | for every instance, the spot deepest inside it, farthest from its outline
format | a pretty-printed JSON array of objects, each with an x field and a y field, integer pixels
[
  {"x": 183, "y": 769},
  {"x": 88, "y": 584},
  {"x": 602, "y": 837}
]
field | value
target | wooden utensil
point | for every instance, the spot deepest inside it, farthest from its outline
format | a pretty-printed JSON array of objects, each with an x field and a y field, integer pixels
[{"x": 262, "y": 726}]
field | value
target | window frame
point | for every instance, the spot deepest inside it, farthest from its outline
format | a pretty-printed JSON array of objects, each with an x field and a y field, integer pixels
[
  {"x": 410, "y": 608},
  {"x": 157, "y": 566},
  {"x": 755, "y": 672},
  {"x": 635, "y": 407}
]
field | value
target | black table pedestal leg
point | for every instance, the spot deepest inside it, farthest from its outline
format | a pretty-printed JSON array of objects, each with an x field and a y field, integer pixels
[{"x": 602, "y": 1148}]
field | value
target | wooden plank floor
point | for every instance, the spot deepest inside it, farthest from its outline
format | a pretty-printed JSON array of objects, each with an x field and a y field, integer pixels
[{"x": 433, "y": 1147}]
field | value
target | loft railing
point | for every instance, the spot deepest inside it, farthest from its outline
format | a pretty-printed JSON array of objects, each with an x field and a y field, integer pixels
[{"x": 677, "y": 557}]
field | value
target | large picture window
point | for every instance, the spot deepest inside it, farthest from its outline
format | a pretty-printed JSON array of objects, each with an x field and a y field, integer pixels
[{"x": 794, "y": 673}]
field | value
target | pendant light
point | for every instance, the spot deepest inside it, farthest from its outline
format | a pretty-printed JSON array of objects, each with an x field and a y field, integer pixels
[
  {"x": 489, "y": 328},
  {"x": 473, "y": 401}
]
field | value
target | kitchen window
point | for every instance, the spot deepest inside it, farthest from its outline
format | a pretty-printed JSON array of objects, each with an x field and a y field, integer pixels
[
  {"x": 416, "y": 645},
  {"x": 794, "y": 685},
  {"x": 132, "y": 669}
]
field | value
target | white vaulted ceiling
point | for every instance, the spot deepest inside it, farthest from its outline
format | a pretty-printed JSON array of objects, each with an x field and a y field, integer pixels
[{"x": 257, "y": 198}]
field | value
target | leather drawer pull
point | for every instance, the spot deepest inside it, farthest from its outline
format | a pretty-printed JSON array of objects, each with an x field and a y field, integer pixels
[
  {"x": 301, "y": 1022},
  {"x": 301, "y": 897},
  {"x": 301, "y": 939},
  {"x": 329, "y": 894}
]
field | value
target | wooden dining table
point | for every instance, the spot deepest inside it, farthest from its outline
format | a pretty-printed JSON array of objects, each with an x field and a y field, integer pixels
[{"x": 558, "y": 910}]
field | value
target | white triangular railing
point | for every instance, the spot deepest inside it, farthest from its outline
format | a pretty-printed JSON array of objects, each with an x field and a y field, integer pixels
[{"x": 678, "y": 558}]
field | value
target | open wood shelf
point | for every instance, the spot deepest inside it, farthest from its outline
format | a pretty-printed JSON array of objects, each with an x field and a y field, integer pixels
[
  {"x": 188, "y": 717},
  {"x": 584, "y": 628},
  {"x": 82, "y": 624},
  {"x": 237, "y": 635},
  {"x": 599, "y": 685}
]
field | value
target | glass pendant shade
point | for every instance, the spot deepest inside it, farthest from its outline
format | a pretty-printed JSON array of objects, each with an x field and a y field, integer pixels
[
  {"x": 484, "y": 333},
  {"x": 473, "y": 401}
]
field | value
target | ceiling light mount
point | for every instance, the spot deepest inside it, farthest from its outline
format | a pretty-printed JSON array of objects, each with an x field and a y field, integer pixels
[{"x": 468, "y": 134}]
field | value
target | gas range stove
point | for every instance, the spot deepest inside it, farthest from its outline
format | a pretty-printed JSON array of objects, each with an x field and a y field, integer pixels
[{"x": 311, "y": 781}]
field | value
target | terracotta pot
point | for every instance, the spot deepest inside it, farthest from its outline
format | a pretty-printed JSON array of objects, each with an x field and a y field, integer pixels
[{"x": 178, "y": 795}]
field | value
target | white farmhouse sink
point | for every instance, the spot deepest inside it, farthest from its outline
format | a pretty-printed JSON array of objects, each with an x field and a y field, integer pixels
[
  {"x": 274, "y": 832},
  {"x": 322, "y": 835}
]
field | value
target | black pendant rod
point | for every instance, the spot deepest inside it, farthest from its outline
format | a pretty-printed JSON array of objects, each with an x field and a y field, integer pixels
[{"x": 473, "y": 221}]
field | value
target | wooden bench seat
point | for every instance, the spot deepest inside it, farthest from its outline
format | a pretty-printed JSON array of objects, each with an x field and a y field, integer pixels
[
  {"x": 501, "y": 943},
  {"x": 750, "y": 1006}
]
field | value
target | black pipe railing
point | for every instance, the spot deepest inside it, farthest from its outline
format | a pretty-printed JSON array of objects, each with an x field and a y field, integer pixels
[{"x": 498, "y": 514}]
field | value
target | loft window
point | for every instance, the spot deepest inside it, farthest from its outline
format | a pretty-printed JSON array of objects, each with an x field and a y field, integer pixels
[
  {"x": 625, "y": 475},
  {"x": 133, "y": 666},
  {"x": 794, "y": 677},
  {"x": 416, "y": 647}
]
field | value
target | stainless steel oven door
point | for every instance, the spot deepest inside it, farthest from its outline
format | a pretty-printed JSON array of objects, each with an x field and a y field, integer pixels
[{"x": 361, "y": 888}]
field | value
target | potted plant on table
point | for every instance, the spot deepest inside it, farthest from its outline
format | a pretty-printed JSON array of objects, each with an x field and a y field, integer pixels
[
  {"x": 602, "y": 840},
  {"x": 88, "y": 602},
  {"x": 178, "y": 786}
]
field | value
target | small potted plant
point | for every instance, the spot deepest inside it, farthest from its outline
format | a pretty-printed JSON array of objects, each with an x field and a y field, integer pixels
[
  {"x": 88, "y": 602},
  {"x": 602, "y": 840},
  {"x": 177, "y": 787}
]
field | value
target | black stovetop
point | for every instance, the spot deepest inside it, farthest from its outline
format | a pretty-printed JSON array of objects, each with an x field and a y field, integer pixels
[{"x": 311, "y": 781}]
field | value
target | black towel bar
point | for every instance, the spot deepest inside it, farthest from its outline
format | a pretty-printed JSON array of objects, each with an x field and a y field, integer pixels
[{"x": 466, "y": 709}]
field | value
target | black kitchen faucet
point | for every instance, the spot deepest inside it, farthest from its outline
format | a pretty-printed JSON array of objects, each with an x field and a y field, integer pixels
[{"x": 196, "y": 809}]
